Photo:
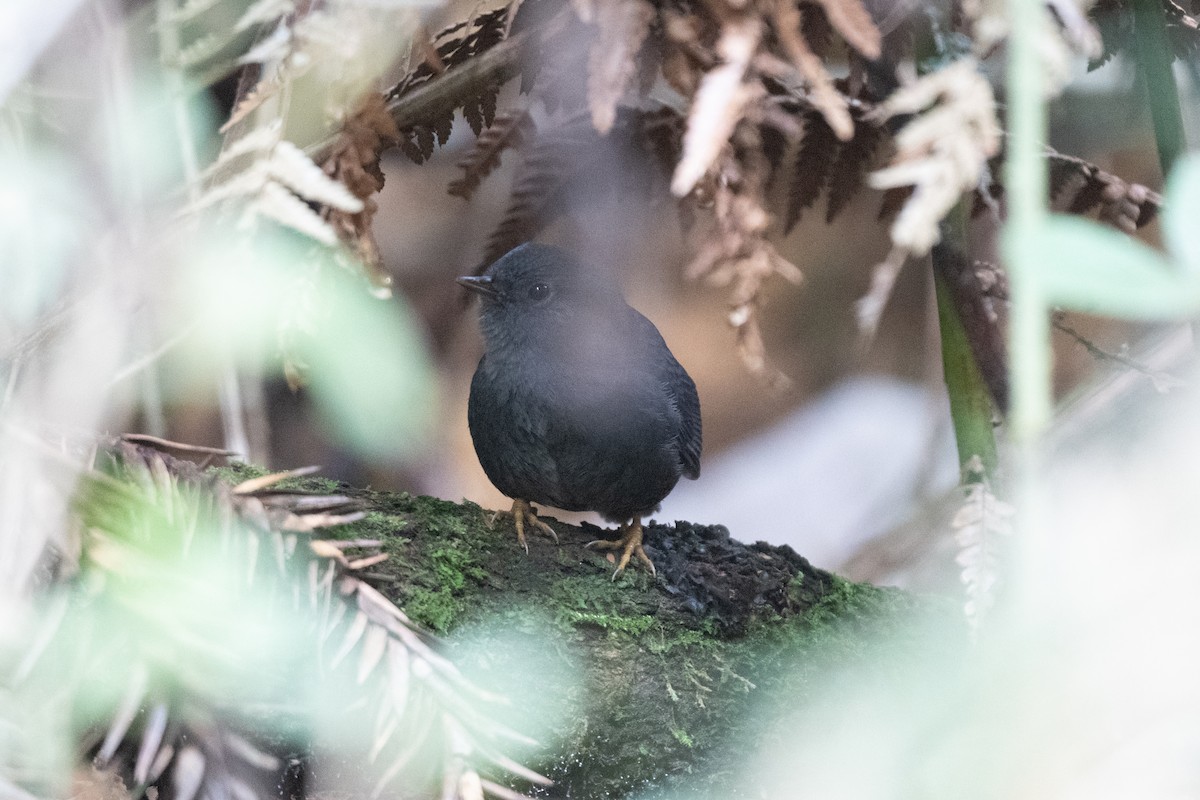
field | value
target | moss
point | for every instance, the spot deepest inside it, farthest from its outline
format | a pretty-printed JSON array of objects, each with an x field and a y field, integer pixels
[
  {"x": 663, "y": 686},
  {"x": 438, "y": 553},
  {"x": 236, "y": 471},
  {"x": 631, "y": 626},
  {"x": 683, "y": 737},
  {"x": 314, "y": 484},
  {"x": 435, "y": 609},
  {"x": 454, "y": 565}
]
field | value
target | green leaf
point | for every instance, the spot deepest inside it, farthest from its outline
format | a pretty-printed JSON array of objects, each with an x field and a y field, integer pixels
[
  {"x": 1087, "y": 267},
  {"x": 364, "y": 359},
  {"x": 369, "y": 371},
  {"x": 1182, "y": 212}
]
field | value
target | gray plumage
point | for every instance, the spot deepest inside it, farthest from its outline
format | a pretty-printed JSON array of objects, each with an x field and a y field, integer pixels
[{"x": 577, "y": 402}]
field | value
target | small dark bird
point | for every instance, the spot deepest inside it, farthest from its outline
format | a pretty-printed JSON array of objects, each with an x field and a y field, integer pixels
[{"x": 577, "y": 402}]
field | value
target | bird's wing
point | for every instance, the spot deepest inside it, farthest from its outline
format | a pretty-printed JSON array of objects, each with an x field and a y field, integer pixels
[
  {"x": 681, "y": 389},
  {"x": 688, "y": 403}
]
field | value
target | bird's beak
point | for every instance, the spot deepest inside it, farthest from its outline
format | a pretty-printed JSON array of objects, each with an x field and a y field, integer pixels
[{"x": 479, "y": 283}]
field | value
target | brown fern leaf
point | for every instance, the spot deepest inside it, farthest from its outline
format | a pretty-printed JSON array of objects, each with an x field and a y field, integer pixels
[
  {"x": 811, "y": 170},
  {"x": 452, "y": 47},
  {"x": 509, "y": 131},
  {"x": 822, "y": 94},
  {"x": 354, "y": 161},
  {"x": 622, "y": 26},
  {"x": 774, "y": 147},
  {"x": 455, "y": 45},
  {"x": 411, "y": 148},
  {"x": 1079, "y": 187},
  {"x": 893, "y": 200},
  {"x": 737, "y": 253},
  {"x": 815, "y": 27},
  {"x": 443, "y": 128},
  {"x": 473, "y": 114},
  {"x": 572, "y": 154},
  {"x": 541, "y": 177},
  {"x": 480, "y": 110},
  {"x": 662, "y": 133},
  {"x": 853, "y": 22},
  {"x": 423, "y": 135},
  {"x": 487, "y": 105},
  {"x": 846, "y": 176}
]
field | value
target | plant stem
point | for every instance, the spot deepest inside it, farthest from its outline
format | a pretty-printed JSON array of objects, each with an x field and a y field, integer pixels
[
  {"x": 444, "y": 93},
  {"x": 1030, "y": 356},
  {"x": 1025, "y": 178},
  {"x": 1154, "y": 57},
  {"x": 970, "y": 401}
]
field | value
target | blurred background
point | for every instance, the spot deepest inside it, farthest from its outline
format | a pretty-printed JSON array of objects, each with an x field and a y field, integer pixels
[
  {"x": 121, "y": 312},
  {"x": 858, "y": 444}
]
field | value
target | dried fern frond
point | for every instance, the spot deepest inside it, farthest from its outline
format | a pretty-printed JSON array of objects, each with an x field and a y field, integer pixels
[
  {"x": 353, "y": 161},
  {"x": 811, "y": 168},
  {"x": 170, "y": 555},
  {"x": 455, "y": 45},
  {"x": 854, "y": 161},
  {"x": 822, "y": 93},
  {"x": 271, "y": 177},
  {"x": 553, "y": 159},
  {"x": 941, "y": 152},
  {"x": 1079, "y": 187},
  {"x": 737, "y": 253},
  {"x": 612, "y": 59},
  {"x": 1115, "y": 23},
  {"x": 717, "y": 107},
  {"x": 452, "y": 47},
  {"x": 981, "y": 526},
  {"x": 510, "y": 131}
]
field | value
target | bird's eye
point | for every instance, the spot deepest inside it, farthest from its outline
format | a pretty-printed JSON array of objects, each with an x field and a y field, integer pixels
[{"x": 539, "y": 292}]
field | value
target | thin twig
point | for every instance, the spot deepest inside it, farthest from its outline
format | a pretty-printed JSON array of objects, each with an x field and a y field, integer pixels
[
  {"x": 1162, "y": 380},
  {"x": 167, "y": 444}
]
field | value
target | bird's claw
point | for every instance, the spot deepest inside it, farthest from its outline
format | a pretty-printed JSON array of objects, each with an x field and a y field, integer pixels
[
  {"x": 523, "y": 513},
  {"x": 630, "y": 544}
]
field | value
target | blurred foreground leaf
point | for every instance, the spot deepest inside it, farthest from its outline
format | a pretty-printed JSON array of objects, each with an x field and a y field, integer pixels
[{"x": 273, "y": 300}]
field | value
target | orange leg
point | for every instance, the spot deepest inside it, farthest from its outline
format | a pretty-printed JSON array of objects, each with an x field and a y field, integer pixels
[
  {"x": 630, "y": 544},
  {"x": 524, "y": 514}
]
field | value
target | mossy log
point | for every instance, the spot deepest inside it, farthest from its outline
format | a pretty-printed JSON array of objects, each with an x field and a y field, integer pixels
[{"x": 644, "y": 685}]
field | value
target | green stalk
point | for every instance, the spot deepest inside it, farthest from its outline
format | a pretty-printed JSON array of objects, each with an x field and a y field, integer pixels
[
  {"x": 1154, "y": 56},
  {"x": 1025, "y": 179},
  {"x": 970, "y": 402}
]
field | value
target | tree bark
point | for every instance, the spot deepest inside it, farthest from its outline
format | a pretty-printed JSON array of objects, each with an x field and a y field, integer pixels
[{"x": 640, "y": 685}]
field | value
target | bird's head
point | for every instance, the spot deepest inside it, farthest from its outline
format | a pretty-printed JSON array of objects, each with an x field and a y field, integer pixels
[{"x": 536, "y": 288}]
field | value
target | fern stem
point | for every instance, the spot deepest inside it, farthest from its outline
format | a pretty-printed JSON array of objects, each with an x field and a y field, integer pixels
[
  {"x": 970, "y": 401},
  {"x": 1154, "y": 57},
  {"x": 441, "y": 95}
]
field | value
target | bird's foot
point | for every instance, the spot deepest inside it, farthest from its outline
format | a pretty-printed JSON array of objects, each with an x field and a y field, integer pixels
[
  {"x": 524, "y": 514},
  {"x": 630, "y": 544}
]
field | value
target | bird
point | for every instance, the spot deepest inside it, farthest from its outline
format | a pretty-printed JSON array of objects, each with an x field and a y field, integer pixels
[{"x": 577, "y": 402}]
